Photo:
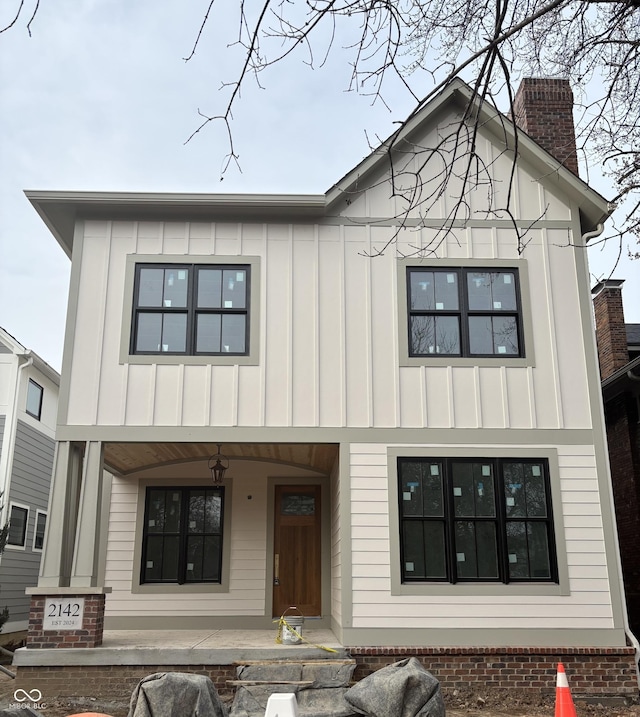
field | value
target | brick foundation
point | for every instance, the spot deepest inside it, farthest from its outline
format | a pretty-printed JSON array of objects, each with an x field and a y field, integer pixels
[
  {"x": 89, "y": 636},
  {"x": 591, "y": 671}
]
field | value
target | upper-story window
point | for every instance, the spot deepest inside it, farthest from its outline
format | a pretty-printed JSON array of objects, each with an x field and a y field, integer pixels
[
  {"x": 467, "y": 312},
  {"x": 34, "y": 399},
  {"x": 191, "y": 309}
]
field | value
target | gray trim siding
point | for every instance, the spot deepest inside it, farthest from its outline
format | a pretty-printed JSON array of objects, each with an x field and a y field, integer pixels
[
  {"x": 2, "y": 422},
  {"x": 30, "y": 481}
]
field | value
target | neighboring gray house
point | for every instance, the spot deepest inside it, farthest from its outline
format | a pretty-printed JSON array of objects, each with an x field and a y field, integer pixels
[{"x": 28, "y": 406}]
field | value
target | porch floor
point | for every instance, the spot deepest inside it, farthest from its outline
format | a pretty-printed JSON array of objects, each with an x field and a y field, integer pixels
[{"x": 187, "y": 647}]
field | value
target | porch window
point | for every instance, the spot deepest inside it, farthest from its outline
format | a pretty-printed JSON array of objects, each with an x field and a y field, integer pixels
[
  {"x": 182, "y": 536},
  {"x": 191, "y": 309},
  {"x": 464, "y": 312},
  {"x": 471, "y": 520}
]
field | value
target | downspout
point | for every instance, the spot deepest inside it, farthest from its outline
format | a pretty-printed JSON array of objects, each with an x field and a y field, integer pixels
[
  {"x": 627, "y": 630},
  {"x": 11, "y": 433}
]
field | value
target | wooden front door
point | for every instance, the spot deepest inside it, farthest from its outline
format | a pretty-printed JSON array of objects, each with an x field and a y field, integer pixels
[{"x": 297, "y": 550}]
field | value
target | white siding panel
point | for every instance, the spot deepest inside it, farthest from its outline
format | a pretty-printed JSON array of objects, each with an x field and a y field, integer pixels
[
  {"x": 331, "y": 328},
  {"x": 149, "y": 237},
  {"x": 304, "y": 377},
  {"x": 277, "y": 336},
  {"x": 357, "y": 301},
  {"x": 571, "y": 363},
  {"x": 224, "y": 389},
  {"x": 112, "y": 396},
  {"x": 168, "y": 395},
  {"x": 195, "y": 407},
  {"x": 200, "y": 238},
  {"x": 87, "y": 345},
  {"x": 384, "y": 360},
  {"x": 176, "y": 238},
  {"x": 250, "y": 395},
  {"x": 140, "y": 396},
  {"x": 412, "y": 396},
  {"x": 438, "y": 391},
  {"x": 491, "y": 390},
  {"x": 519, "y": 398},
  {"x": 465, "y": 404}
]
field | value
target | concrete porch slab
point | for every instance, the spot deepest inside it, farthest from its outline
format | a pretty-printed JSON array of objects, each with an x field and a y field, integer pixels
[{"x": 186, "y": 647}]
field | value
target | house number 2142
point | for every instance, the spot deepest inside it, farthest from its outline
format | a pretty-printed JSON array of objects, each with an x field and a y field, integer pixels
[{"x": 63, "y": 614}]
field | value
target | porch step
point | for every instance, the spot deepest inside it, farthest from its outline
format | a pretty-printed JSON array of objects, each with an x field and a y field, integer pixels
[{"x": 319, "y": 686}]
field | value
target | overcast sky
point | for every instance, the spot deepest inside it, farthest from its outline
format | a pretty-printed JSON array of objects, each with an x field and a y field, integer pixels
[{"x": 99, "y": 98}]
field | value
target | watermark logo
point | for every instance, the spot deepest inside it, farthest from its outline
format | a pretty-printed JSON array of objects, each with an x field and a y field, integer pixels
[
  {"x": 24, "y": 699},
  {"x": 23, "y": 695}
]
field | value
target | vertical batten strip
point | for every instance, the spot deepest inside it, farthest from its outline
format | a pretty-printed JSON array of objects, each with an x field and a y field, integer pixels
[
  {"x": 316, "y": 333},
  {"x": 452, "y": 406},
  {"x": 180, "y": 396},
  {"x": 343, "y": 330},
  {"x": 264, "y": 335},
  {"x": 152, "y": 394},
  {"x": 532, "y": 397},
  {"x": 369, "y": 327},
  {"x": 102, "y": 324},
  {"x": 468, "y": 236},
  {"x": 495, "y": 251},
  {"x": 552, "y": 329},
  {"x": 127, "y": 366},
  {"x": 291, "y": 368},
  {"x": 504, "y": 390},
  {"x": 423, "y": 397},
  {"x": 207, "y": 388},
  {"x": 394, "y": 337},
  {"x": 236, "y": 399},
  {"x": 478, "y": 396}
]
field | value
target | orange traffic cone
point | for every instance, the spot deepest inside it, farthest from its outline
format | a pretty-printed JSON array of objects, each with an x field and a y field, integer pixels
[{"x": 564, "y": 703}]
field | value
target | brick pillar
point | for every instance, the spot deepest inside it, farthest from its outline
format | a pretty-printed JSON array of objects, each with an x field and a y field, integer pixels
[
  {"x": 611, "y": 334},
  {"x": 543, "y": 108},
  {"x": 66, "y": 617}
]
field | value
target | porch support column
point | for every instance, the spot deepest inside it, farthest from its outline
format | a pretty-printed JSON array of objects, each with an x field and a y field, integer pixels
[
  {"x": 84, "y": 571},
  {"x": 61, "y": 524}
]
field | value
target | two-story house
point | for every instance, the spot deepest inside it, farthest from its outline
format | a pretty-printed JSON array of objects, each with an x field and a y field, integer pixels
[
  {"x": 415, "y": 445},
  {"x": 28, "y": 405}
]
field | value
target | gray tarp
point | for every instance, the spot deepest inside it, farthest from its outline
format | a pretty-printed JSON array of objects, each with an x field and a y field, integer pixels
[
  {"x": 176, "y": 694},
  {"x": 404, "y": 689}
]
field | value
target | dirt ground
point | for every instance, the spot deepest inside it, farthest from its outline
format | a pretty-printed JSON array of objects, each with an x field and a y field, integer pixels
[{"x": 459, "y": 703}]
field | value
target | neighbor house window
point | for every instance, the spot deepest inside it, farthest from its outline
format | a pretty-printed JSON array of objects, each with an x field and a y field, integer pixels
[
  {"x": 182, "y": 537},
  {"x": 484, "y": 520},
  {"x": 464, "y": 312},
  {"x": 18, "y": 517},
  {"x": 38, "y": 536},
  {"x": 191, "y": 309},
  {"x": 34, "y": 399}
]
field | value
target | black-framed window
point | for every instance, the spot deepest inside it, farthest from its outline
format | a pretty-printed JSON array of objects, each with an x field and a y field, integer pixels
[
  {"x": 182, "y": 536},
  {"x": 191, "y": 309},
  {"x": 38, "y": 536},
  {"x": 483, "y": 520},
  {"x": 18, "y": 517},
  {"x": 35, "y": 393},
  {"x": 464, "y": 312}
]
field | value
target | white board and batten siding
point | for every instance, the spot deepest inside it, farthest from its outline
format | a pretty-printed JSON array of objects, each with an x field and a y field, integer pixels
[
  {"x": 587, "y": 606},
  {"x": 329, "y": 337}
]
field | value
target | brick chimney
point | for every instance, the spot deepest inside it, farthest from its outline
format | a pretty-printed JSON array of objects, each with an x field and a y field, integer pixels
[
  {"x": 611, "y": 334},
  {"x": 543, "y": 108}
]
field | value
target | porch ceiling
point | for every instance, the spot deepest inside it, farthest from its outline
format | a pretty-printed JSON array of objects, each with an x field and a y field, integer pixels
[{"x": 126, "y": 458}]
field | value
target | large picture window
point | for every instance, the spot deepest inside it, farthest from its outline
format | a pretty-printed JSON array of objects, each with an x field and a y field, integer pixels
[
  {"x": 182, "y": 537},
  {"x": 484, "y": 520},
  {"x": 191, "y": 309},
  {"x": 464, "y": 312}
]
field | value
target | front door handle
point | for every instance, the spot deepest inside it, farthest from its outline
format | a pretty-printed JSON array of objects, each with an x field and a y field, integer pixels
[{"x": 276, "y": 569}]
